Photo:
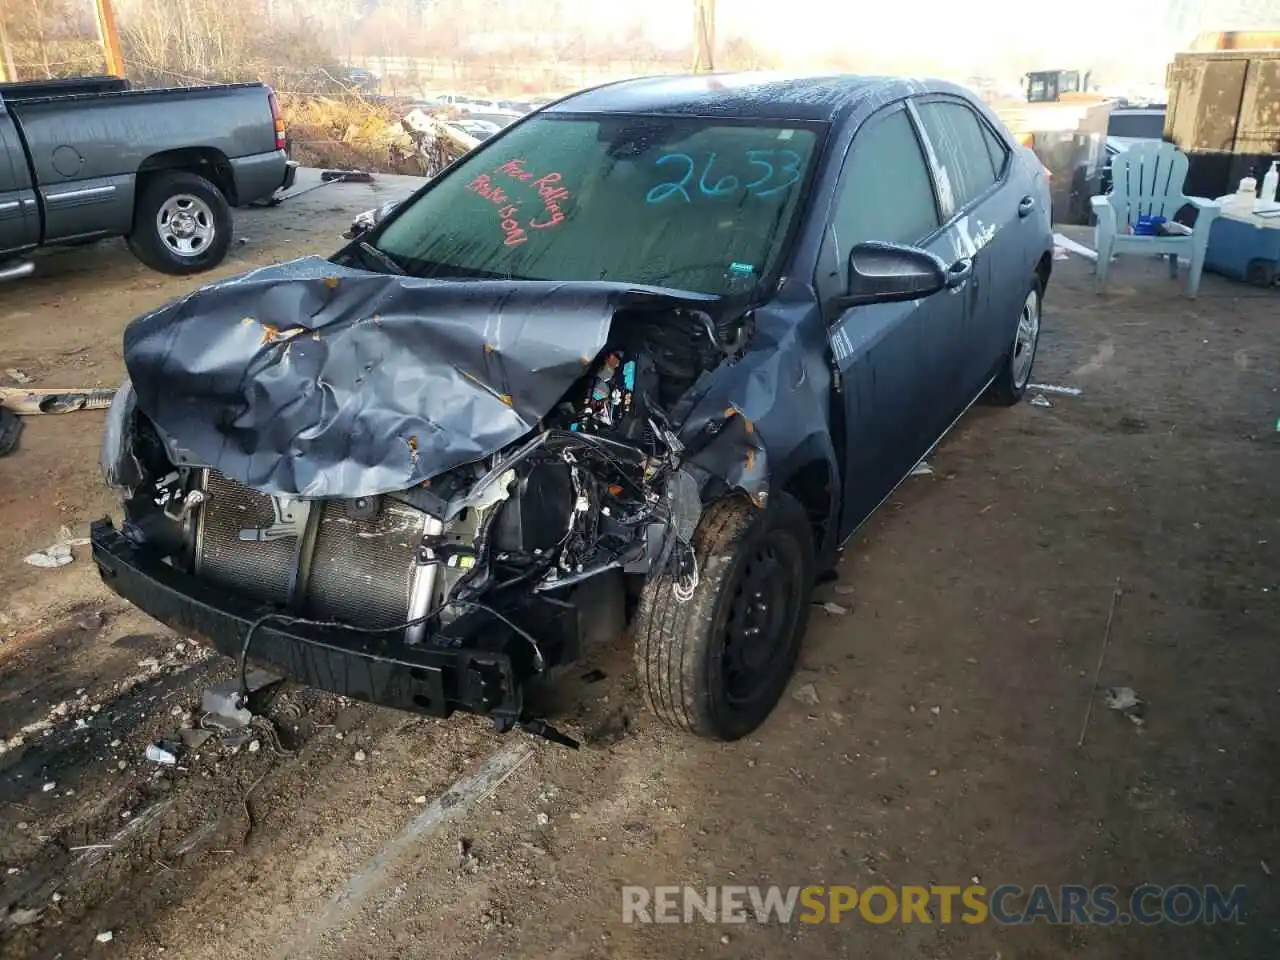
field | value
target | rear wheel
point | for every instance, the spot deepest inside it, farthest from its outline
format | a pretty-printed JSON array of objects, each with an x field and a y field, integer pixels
[
  {"x": 717, "y": 663},
  {"x": 181, "y": 224},
  {"x": 1015, "y": 373}
]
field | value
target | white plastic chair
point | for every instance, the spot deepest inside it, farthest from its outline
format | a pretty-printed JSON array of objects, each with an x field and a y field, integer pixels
[{"x": 1147, "y": 180}]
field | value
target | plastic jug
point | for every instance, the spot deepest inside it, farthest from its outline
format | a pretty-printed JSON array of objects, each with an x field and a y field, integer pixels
[{"x": 1271, "y": 183}]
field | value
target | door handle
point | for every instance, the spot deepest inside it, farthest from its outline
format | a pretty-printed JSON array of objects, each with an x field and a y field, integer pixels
[
  {"x": 1025, "y": 206},
  {"x": 959, "y": 273}
]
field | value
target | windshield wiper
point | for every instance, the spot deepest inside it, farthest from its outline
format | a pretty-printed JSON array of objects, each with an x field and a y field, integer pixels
[{"x": 382, "y": 258}]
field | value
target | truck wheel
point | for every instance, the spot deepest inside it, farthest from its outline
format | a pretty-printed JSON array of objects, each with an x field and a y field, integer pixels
[
  {"x": 181, "y": 224},
  {"x": 716, "y": 663},
  {"x": 1015, "y": 373}
]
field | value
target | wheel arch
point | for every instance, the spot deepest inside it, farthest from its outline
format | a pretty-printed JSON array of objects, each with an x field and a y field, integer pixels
[
  {"x": 1044, "y": 269},
  {"x": 208, "y": 162},
  {"x": 814, "y": 482}
]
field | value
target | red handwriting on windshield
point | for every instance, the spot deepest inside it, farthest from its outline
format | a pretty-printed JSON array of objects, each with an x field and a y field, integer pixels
[
  {"x": 554, "y": 197},
  {"x": 550, "y": 193},
  {"x": 512, "y": 232}
]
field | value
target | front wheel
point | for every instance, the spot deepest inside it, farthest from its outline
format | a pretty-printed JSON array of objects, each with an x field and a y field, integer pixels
[
  {"x": 716, "y": 663},
  {"x": 181, "y": 224},
  {"x": 1015, "y": 372}
]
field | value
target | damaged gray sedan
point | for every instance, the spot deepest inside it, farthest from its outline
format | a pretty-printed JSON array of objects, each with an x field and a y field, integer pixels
[{"x": 652, "y": 354}]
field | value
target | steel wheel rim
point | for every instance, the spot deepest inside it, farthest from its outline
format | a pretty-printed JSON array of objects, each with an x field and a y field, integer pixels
[
  {"x": 761, "y": 615},
  {"x": 185, "y": 225},
  {"x": 1024, "y": 341}
]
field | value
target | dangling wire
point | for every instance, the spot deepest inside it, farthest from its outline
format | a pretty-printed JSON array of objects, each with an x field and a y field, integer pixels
[{"x": 685, "y": 581}]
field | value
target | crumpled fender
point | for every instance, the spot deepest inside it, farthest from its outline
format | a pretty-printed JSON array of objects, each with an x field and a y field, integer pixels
[{"x": 754, "y": 421}]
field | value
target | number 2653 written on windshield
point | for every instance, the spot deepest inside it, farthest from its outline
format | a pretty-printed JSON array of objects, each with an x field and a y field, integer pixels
[{"x": 775, "y": 171}]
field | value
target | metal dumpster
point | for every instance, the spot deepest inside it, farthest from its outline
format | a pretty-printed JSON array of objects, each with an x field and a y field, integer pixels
[{"x": 1224, "y": 113}]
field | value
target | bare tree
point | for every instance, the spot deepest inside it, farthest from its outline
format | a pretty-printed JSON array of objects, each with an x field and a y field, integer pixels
[{"x": 49, "y": 38}]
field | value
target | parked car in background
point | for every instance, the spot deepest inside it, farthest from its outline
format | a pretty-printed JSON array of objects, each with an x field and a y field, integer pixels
[
  {"x": 90, "y": 158},
  {"x": 499, "y": 118},
  {"x": 694, "y": 330},
  {"x": 444, "y": 100},
  {"x": 480, "y": 129},
  {"x": 362, "y": 81},
  {"x": 1128, "y": 125}
]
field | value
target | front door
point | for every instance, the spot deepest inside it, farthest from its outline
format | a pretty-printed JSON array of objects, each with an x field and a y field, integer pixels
[{"x": 891, "y": 358}]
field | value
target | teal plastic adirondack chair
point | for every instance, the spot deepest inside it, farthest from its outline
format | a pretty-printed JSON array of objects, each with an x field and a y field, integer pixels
[{"x": 1146, "y": 180}]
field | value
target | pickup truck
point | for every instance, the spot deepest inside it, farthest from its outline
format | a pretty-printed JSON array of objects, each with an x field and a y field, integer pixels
[{"x": 89, "y": 158}]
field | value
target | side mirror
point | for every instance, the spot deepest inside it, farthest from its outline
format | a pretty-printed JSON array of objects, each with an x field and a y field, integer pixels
[{"x": 891, "y": 273}]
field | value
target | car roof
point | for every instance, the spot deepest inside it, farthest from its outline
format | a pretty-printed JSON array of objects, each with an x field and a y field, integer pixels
[{"x": 764, "y": 96}]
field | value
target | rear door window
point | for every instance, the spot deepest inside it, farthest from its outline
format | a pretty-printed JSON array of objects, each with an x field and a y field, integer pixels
[{"x": 965, "y": 168}]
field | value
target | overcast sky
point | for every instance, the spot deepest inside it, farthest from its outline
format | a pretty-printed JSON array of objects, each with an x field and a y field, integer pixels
[{"x": 961, "y": 34}]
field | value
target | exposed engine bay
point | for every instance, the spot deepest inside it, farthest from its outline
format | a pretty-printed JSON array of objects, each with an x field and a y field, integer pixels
[{"x": 489, "y": 555}]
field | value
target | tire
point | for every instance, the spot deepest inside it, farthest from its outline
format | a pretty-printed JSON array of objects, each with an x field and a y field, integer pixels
[
  {"x": 689, "y": 655},
  {"x": 171, "y": 205},
  {"x": 1015, "y": 373}
]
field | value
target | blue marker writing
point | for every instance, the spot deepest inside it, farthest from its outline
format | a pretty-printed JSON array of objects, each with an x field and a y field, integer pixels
[{"x": 779, "y": 170}]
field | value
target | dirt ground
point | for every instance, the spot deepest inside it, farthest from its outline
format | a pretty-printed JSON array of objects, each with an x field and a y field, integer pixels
[{"x": 942, "y": 746}]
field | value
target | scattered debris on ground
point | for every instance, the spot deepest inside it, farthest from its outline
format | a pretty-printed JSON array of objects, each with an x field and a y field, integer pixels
[
  {"x": 1116, "y": 594},
  {"x": 1055, "y": 389},
  {"x": 1067, "y": 244},
  {"x": 163, "y": 754},
  {"x": 30, "y": 402},
  {"x": 806, "y": 693},
  {"x": 57, "y": 555},
  {"x": 1040, "y": 400},
  {"x": 1125, "y": 701}
]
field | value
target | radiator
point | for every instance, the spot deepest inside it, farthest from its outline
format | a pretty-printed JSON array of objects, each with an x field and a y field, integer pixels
[{"x": 360, "y": 571}]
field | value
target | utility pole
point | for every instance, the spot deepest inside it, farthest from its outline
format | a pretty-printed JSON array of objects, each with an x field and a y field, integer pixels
[
  {"x": 704, "y": 36},
  {"x": 109, "y": 37}
]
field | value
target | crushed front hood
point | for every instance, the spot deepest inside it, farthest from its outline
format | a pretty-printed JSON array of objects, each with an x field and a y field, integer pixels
[{"x": 315, "y": 380}]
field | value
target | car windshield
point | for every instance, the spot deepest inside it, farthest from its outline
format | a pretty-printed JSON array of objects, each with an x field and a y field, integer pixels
[{"x": 692, "y": 203}]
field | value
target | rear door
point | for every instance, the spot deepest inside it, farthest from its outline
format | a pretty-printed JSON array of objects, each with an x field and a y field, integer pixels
[
  {"x": 988, "y": 220},
  {"x": 887, "y": 355},
  {"x": 19, "y": 216}
]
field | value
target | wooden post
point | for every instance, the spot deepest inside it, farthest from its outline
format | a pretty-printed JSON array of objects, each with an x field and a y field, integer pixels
[
  {"x": 109, "y": 37},
  {"x": 704, "y": 36}
]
